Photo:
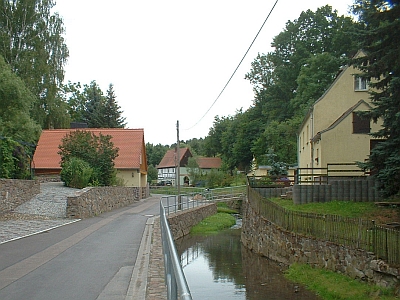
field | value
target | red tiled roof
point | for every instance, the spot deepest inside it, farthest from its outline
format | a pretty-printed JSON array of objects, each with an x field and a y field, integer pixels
[
  {"x": 209, "y": 162},
  {"x": 129, "y": 141},
  {"x": 168, "y": 161}
]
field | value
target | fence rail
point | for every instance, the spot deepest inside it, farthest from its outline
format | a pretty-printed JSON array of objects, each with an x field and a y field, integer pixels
[
  {"x": 177, "y": 287},
  {"x": 352, "y": 232}
]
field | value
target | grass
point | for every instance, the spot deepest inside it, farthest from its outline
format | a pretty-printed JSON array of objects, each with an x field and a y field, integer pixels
[
  {"x": 365, "y": 210},
  {"x": 223, "y": 219},
  {"x": 333, "y": 286}
]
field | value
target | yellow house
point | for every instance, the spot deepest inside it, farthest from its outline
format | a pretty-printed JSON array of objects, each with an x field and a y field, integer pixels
[
  {"x": 131, "y": 162},
  {"x": 332, "y": 132}
]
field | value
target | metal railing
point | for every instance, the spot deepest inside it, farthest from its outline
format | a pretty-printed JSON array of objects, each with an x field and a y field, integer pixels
[
  {"x": 177, "y": 287},
  {"x": 173, "y": 203}
]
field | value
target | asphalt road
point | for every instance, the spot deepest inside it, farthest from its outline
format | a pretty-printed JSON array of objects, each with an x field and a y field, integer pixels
[{"x": 90, "y": 259}]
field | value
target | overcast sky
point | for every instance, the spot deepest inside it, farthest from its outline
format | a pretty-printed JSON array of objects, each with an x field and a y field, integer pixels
[{"x": 169, "y": 60}]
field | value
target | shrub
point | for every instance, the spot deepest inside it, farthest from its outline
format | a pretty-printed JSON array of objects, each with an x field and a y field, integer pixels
[{"x": 76, "y": 173}]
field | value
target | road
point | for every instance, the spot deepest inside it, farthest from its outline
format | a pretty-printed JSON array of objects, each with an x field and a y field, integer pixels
[{"x": 90, "y": 259}]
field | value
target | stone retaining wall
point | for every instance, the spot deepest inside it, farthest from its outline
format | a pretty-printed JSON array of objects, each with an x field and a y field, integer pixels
[
  {"x": 180, "y": 223},
  {"x": 93, "y": 201},
  {"x": 14, "y": 192},
  {"x": 265, "y": 238}
]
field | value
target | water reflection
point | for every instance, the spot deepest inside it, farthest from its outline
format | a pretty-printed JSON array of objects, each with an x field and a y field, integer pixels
[{"x": 219, "y": 267}]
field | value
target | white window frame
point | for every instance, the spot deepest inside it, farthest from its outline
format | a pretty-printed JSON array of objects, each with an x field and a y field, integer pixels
[{"x": 360, "y": 84}]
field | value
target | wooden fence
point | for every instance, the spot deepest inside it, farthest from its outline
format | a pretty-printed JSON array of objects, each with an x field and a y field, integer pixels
[{"x": 351, "y": 232}]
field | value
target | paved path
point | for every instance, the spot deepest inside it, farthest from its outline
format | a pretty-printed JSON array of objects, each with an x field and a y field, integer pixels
[
  {"x": 26, "y": 262},
  {"x": 50, "y": 204}
]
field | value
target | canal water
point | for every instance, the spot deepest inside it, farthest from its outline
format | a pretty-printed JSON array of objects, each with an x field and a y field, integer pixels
[{"x": 219, "y": 267}]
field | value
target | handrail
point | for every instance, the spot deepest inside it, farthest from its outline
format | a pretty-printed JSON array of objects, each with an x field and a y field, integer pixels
[{"x": 177, "y": 287}]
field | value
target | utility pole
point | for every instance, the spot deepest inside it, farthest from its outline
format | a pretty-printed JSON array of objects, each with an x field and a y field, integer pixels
[{"x": 178, "y": 165}]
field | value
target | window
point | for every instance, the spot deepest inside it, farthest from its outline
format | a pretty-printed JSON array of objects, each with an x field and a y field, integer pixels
[
  {"x": 360, "y": 125},
  {"x": 360, "y": 84}
]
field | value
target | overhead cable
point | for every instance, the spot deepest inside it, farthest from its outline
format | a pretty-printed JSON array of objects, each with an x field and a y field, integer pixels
[{"x": 236, "y": 67}]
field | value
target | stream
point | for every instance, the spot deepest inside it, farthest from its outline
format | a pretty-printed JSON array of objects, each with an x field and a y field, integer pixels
[{"x": 220, "y": 267}]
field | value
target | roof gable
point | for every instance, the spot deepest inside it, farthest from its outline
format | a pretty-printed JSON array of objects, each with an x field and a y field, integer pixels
[
  {"x": 168, "y": 161},
  {"x": 340, "y": 119},
  {"x": 131, "y": 154}
]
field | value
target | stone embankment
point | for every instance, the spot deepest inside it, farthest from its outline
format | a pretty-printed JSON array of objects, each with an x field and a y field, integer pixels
[
  {"x": 180, "y": 223},
  {"x": 267, "y": 239}
]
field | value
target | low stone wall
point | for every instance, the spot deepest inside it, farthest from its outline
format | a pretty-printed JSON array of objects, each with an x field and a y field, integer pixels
[
  {"x": 93, "y": 201},
  {"x": 180, "y": 223},
  {"x": 14, "y": 192},
  {"x": 265, "y": 238}
]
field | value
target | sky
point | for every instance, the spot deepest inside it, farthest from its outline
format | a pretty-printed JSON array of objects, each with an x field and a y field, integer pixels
[{"x": 169, "y": 60}]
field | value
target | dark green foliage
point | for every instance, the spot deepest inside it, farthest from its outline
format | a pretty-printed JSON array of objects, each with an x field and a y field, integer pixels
[
  {"x": 76, "y": 173},
  {"x": 112, "y": 113},
  {"x": 381, "y": 42},
  {"x": 14, "y": 160},
  {"x": 89, "y": 105},
  {"x": 155, "y": 153},
  {"x": 152, "y": 173},
  {"x": 16, "y": 102},
  {"x": 97, "y": 151},
  {"x": 307, "y": 56}
]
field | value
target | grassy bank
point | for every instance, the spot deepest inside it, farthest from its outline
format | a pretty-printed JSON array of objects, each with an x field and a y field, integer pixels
[
  {"x": 333, "y": 286},
  {"x": 223, "y": 219},
  {"x": 365, "y": 210},
  {"x": 330, "y": 285}
]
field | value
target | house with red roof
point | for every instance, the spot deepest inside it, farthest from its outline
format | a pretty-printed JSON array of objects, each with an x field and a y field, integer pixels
[
  {"x": 167, "y": 167},
  {"x": 131, "y": 163}
]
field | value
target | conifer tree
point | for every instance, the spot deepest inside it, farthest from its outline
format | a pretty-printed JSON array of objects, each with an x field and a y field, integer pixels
[{"x": 381, "y": 65}]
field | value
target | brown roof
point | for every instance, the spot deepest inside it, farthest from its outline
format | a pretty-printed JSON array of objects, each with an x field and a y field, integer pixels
[
  {"x": 168, "y": 161},
  {"x": 131, "y": 154},
  {"x": 209, "y": 162}
]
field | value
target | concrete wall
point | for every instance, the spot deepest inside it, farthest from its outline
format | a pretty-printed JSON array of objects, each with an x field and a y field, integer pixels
[
  {"x": 180, "y": 223},
  {"x": 364, "y": 190},
  {"x": 93, "y": 201},
  {"x": 14, "y": 192},
  {"x": 263, "y": 237}
]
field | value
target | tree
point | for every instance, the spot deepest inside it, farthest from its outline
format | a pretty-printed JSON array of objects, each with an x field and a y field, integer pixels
[
  {"x": 381, "y": 65},
  {"x": 112, "y": 113},
  {"x": 97, "y": 151},
  {"x": 32, "y": 43},
  {"x": 152, "y": 173},
  {"x": 193, "y": 170},
  {"x": 307, "y": 56},
  {"x": 94, "y": 110},
  {"x": 15, "y": 105},
  {"x": 155, "y": 153}
]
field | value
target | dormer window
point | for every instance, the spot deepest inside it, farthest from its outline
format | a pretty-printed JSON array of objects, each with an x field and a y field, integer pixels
[{"x": 360, "y": 83}]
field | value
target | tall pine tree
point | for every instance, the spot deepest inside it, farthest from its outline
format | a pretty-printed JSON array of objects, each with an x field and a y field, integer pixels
[
  {"x": 381, "y": 65},
  {"x": 113, "y": 118}
]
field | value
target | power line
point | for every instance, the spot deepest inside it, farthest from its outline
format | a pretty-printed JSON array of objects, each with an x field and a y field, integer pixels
[{"x": 236, "y": 67}]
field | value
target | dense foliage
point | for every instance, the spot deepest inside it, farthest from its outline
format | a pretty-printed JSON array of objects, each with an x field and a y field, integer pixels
[
  {"x": 15, "y": 105},
  {"x": 15, "y": 159},
  {"x": 381, "y": 66},
  {"x": 97, "y": 151},
  {"x": 307, "y": 56},
  {"x": 32, "y": 44},
  {"x": 76, "y": 173}
]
